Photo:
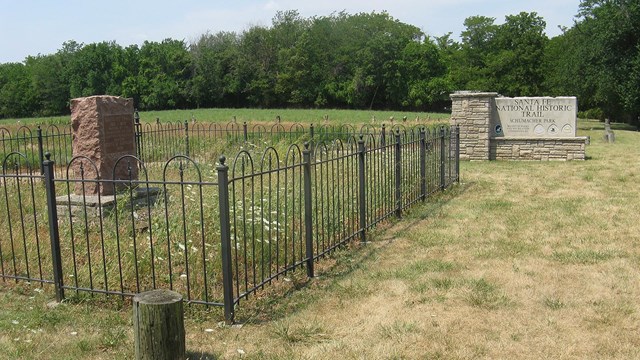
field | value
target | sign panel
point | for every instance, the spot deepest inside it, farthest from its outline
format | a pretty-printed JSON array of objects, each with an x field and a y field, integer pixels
[{"x": 533, "y": 117}]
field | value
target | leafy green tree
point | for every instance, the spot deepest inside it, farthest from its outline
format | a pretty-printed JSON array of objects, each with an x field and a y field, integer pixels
[
  {"x": 517, "y": 66},
  {"x": 48, "y": 84},
  {"x": 424, "y": 73},
  {"x": 213, "y": 81},
  {"x": 471, "y": 71},
  {"x": 256, "y": 67},
  {"x": 93, "y": 70},
  {"x": 163, "y": 74},
  {"x": 16, "y": 96}
]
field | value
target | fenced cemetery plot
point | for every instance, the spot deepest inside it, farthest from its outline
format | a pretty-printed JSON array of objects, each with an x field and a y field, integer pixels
[{"x": 214, "y": 229}]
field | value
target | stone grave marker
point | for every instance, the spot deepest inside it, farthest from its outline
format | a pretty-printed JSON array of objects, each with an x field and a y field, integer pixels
[{"x": 103, "y": 131}]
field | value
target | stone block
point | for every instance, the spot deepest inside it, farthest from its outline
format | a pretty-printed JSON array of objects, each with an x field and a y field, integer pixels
[{"x": 103, "y": 131}]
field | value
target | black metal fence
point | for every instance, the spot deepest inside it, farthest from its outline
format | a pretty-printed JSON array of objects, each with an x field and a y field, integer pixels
[{"x": 216, "y": 233}]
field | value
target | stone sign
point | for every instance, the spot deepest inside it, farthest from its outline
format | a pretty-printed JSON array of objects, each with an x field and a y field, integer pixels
[
  {"x": 535, "y": 117},
  {"x": 535, "y": 128},
  {"x": 103, "y": 131}
]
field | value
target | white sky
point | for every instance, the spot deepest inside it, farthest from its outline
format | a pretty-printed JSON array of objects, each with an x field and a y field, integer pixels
[{"x": 31, "y": 27}]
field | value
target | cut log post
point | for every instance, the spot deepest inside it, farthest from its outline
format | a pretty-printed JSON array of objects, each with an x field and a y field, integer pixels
[{"x": 158, "y": 322}]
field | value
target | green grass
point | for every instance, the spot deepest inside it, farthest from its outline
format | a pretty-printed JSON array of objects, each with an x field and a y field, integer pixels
[{"x": 315, "y": 116}]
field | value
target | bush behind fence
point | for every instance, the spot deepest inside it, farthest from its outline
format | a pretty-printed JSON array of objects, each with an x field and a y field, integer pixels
[{"x": 217, "y": 235}]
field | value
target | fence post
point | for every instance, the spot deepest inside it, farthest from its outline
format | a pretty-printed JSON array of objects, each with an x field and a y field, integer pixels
[
  {"x": 54, "y": 234},
  {"x": 311, "y": 136},
  {"x": 138, "y": 133},
  {"x": 383, "y": 136},
  {"x": 457, "y": 153},
  {"x": 362, "y": 190},
  {"x": 158, "y": 325},
  {"x": 398, "y": 171},
  {"x": 186, "y": 137},
  {"x": 423, "y": 164},
  {"x": 308, "y": 220},
  {"x": 442, "y": 162},
  {"x": 40, "y": 150},
  {"x": 225, "y": 240},
  {"x": 244, "y": 131}
]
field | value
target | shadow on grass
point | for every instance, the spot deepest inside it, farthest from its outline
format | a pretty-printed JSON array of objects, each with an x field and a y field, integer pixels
[
  {"x": 299, "y": 292},
  {"x": 431, "y": 206},
  {"x": 198, "y": 355}
]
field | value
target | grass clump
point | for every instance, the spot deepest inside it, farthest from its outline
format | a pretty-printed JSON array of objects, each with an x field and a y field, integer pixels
[{"x": 486, "y": 295}]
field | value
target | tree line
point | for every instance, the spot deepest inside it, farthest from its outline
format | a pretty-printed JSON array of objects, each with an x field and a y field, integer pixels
[{"x": 360, "y": 61}]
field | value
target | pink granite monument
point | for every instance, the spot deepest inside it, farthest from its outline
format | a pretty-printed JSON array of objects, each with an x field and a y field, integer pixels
[{"x": 103, "y": 131}]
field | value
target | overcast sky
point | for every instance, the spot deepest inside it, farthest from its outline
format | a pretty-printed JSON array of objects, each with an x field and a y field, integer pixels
[{"x": 31, "y": 27}]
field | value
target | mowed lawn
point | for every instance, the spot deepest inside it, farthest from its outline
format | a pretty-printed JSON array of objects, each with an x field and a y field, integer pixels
[{"x": 522, "y": 260}]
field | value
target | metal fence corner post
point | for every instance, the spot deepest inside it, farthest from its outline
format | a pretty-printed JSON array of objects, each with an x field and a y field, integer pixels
[
  {"x": 245, "y": 131},
  {"x": 362, "y": 190},
  {"x": 137, "y": 133},
  {"x": 186, "y": 137},
  {"x": 40, "y": 150},
  {"x": 442, "y": 158},
  {"x": 225, "y": 240},
  {"x": 423, "y": 164},
  {"x": 398, "y": 173},
  {"x": 308, "y": 219},
  {"x": 54, "y": 234},
  {"x": 311, "y": 136},
  {"x": 383, "y": 136}
]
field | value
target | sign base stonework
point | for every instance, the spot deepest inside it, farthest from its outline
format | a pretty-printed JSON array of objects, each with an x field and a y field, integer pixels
[{"x": 103, "y": 131}]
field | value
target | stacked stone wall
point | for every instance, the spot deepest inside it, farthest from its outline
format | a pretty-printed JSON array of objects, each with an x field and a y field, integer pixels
[
  {"x": 559, "y": 149},
  {"x": 472, "y": 112}
]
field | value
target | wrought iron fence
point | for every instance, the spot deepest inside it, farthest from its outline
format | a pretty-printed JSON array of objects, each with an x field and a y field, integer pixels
[{"x": 216, "y": 233}]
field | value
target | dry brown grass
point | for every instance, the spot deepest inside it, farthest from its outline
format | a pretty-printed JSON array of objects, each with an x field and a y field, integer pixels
[
  {"x": 521, "y": 261},
  {"x": 524, "y": 260}
]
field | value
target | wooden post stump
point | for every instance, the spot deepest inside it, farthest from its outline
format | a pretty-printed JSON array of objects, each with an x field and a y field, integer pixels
[{"x": 158, "y": 324}]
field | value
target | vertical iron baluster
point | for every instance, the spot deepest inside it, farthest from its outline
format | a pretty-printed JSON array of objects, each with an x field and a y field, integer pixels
[
  {"x": 86, "y": 227},
  {"x": 306, "y": 154},
  {"x": 398, "y": 174},
  {"x": 54, "y": 234},
  {"x": 458, "y": 153},
  {"x": 362, "y": 190},
  {"x": 442, "y": 158},
  {"x": 184, "y": 228}
]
